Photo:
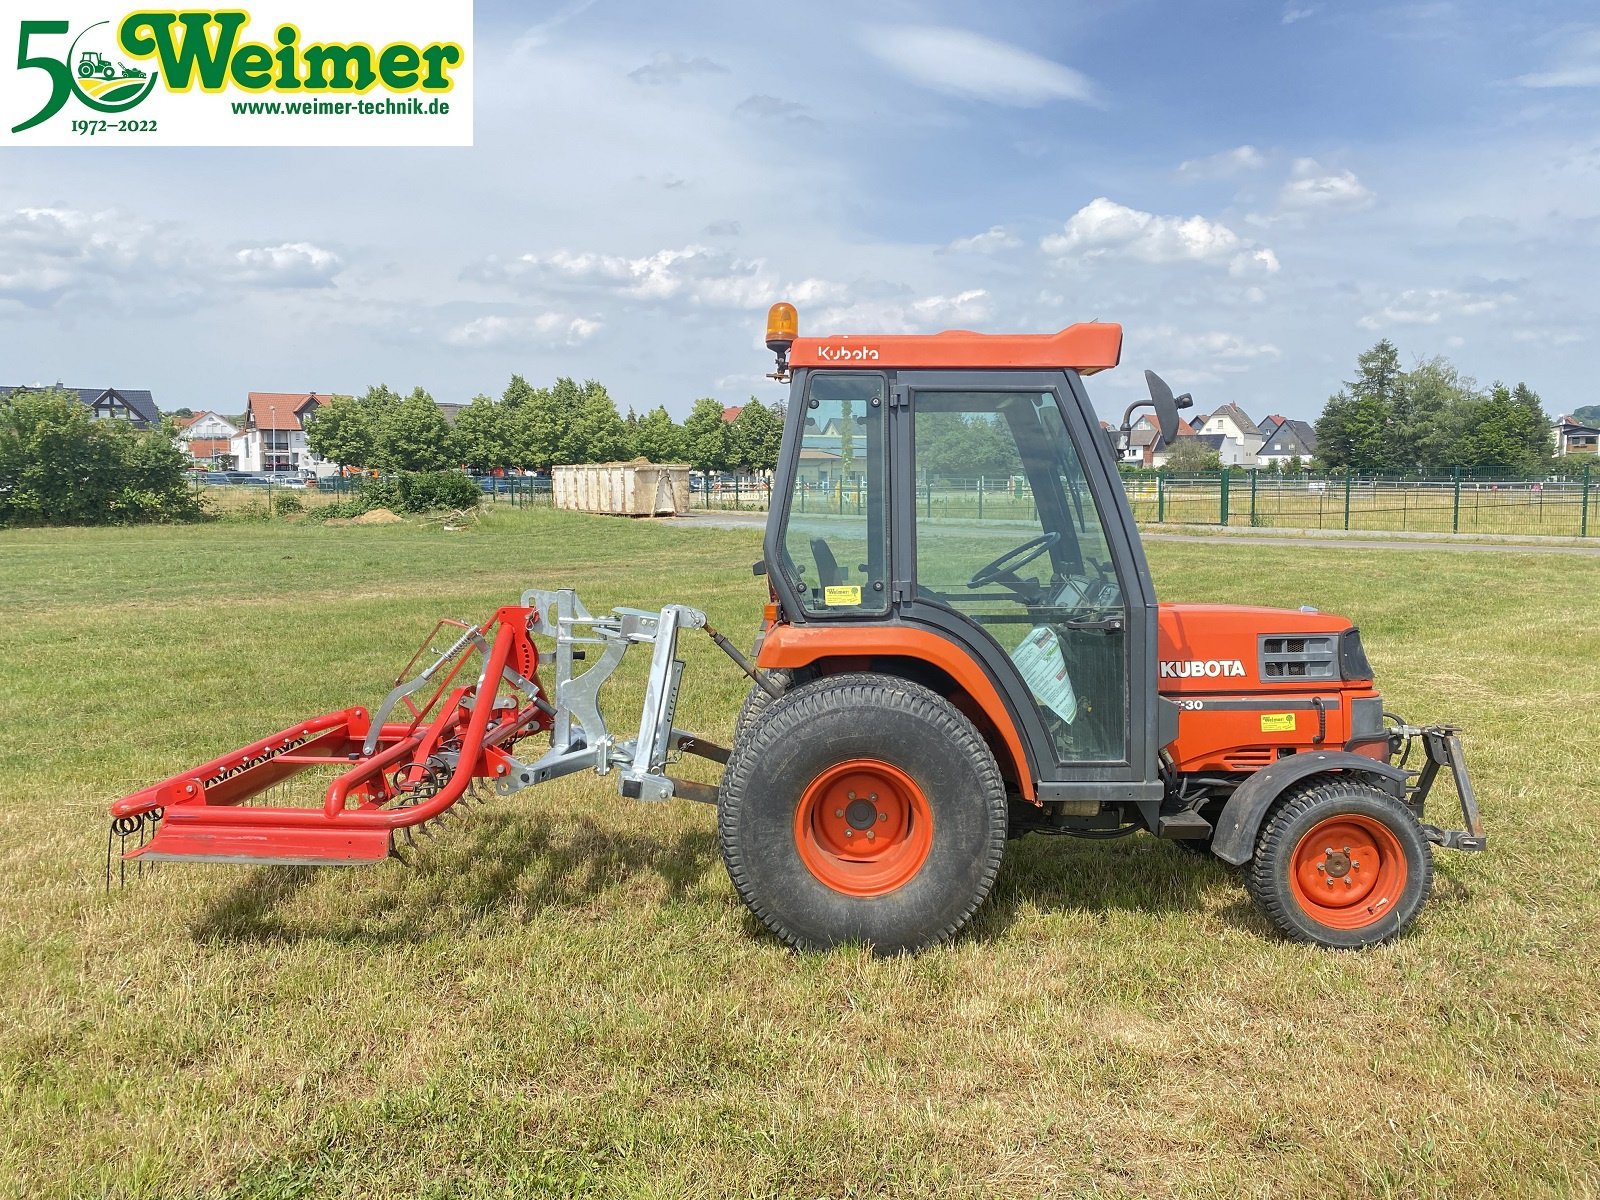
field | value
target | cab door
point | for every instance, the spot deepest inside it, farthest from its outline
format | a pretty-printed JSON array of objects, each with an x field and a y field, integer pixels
[{"x": 1013, "y": 537}]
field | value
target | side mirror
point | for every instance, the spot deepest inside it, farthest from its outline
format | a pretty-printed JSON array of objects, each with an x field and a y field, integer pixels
[
  {"x": 1166, "y": 407},
  {"x": 1165, "y": 404}
]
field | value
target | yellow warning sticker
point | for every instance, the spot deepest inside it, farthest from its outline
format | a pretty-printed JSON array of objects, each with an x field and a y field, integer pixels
[
  {"x": 841, "y": 596},
  {"x": 1277, "y": 722}
]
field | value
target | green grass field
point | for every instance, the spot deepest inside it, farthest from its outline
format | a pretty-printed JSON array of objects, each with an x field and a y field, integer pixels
[{"x": 566, "y": 998}]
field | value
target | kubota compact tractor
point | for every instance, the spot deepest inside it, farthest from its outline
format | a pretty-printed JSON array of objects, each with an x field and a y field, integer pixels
[{"x": 927, "y": 684}]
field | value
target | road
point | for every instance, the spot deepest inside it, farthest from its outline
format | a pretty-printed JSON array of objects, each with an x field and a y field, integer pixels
[{"x": 758, "y": 520}]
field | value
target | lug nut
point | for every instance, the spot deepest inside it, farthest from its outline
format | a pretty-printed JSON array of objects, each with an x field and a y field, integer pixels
[
  {"x": 849, "y": 833},
  {"x": 873, "y": 797},
  {"x": 883, "y": 816},
  {"x": 871, "y": 837},
  {"x": 851, "y": 796},
  {"x": 1330, "y": 882},
  {"x": 838, "y": 812},
  {"x": 1321, "y": 867}
]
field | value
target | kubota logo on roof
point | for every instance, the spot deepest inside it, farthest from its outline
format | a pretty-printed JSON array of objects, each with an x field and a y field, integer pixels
[
  {"x": 847, "y": 353},
  {"x": 1210, "y": 668}
]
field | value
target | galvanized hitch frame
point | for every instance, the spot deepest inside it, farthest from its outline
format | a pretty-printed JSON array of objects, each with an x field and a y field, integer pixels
[
  {"x": 435, "y": 736},
  {"x": 1442, "y": 749}
]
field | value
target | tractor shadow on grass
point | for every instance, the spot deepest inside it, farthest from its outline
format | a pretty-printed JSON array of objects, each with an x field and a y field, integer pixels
[
  {"x": 492, "y": 866},
  {"x": 1136, "y": 874}
]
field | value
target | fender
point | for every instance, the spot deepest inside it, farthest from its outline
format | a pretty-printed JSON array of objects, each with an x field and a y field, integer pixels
[
  {"x": 795, "y": 646},
  {"x": 1234, "y": 841}
]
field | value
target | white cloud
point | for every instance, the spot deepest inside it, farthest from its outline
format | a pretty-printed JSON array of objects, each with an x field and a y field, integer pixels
[
  {"x": 291, "y": 265},
  {"x": 666, "y": 70},
  {"x": 1104, "y": 228},
  {"x": 1293, "y": 12},
  {"x": 1217, "y": 348},
  {"x": 1433, "y": 305},
  {"x": 967, "y": 64},
  {"x": 770, "y": 108},
  {"x": 1577, "y": 66},
  {"x": 1311, "y": 187},
  {"x": 996, "y": 237},
  {"x": 930, "y": 314},
  {"x": 1224, "y": 165},
  {"x": 547, "y": 328}
]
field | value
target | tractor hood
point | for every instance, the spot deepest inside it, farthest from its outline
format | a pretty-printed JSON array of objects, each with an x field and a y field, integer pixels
[{"x": 1224, "y": 648}]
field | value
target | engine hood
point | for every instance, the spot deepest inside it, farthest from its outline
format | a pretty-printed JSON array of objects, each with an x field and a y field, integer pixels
[{"x": 1227, "y": 647}]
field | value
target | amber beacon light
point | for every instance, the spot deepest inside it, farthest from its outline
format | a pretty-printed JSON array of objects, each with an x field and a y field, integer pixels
[{"x": 783, "y": 326}]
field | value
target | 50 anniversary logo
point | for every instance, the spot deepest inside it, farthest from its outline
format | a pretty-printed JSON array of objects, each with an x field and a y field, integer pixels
[{"x": 229, "y": 77}]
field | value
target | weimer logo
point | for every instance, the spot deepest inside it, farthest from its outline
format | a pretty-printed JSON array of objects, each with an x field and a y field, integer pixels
[{"x": 231, "y": 77}]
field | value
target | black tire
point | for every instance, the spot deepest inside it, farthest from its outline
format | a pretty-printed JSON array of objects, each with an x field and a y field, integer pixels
[
  {"x": 756, "y": 701},
  {"x": 810, "y": 736},
  {"x": 1279, "y": 879}
]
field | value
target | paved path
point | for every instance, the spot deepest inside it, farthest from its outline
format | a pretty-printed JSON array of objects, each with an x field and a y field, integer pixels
[{"x": 758, "y": 520}]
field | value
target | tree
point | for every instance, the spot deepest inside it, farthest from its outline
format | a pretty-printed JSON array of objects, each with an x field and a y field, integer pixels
[
  {"x": 1436, "y": 395},
  {"x": 544, "y": 422},
  {"x": 706, "y": 441},
  {"x": 1507, "y": 430},
  {"x": 597, "y": 433},
  {"x": 518, "y": 392},
  {"x": 416, "y": 437},
  {"x": 483, "y": 435},
  {"x": 755, "y": 437},
  {"x": 59, "y": 466},
  {"x": 658, "y": 438},
  {"x": 1190, "y": 455},
  {"x": 341, "y": 432}
]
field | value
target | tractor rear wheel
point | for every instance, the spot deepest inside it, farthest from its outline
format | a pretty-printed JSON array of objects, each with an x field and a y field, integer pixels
[
  {"x": 1340, "y": 863},
  {"x": 757, "y": 701},
  {"x": 862, "y": 808}
]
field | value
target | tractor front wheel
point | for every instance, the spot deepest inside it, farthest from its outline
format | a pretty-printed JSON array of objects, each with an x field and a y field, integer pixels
[
  {"x": 1340, "y": 863},
  {"x": 862, "y": 808}
]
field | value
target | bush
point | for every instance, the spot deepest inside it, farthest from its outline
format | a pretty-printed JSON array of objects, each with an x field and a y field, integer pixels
[
  {"x": 286, "y": 504},
  {"x": 429, "y": 491},
  {"x": 59, "y": 466}
]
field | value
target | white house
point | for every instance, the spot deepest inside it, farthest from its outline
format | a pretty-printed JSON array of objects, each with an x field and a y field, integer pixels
[
  {"x": 207, "y": 437},
  {"x": 1573, "y": 437},
  {"x": 274, "y": 433},
  {"x": 1241, "y": 438},
  {"x": 1291, "y": 440}
]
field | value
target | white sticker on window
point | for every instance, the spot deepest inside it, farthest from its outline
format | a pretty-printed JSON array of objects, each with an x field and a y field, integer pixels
[{"x": 1043, "y": 666}]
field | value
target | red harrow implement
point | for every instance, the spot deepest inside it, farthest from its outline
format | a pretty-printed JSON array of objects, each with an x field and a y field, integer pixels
[{"x": 437, "y": 735}]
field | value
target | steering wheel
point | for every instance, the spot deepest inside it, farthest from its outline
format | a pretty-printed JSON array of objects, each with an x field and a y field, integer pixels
[{"x": 1017, "y": 556}]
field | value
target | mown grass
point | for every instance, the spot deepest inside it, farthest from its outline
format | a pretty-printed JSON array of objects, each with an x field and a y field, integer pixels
[{"x": 565, "y": 997}]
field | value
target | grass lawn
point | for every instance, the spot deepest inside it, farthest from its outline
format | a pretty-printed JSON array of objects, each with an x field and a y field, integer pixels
[{"x": 566, "y": 998}]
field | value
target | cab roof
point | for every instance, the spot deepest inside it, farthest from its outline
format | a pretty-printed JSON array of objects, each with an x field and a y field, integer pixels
[{"x": 1086, "y": 347}]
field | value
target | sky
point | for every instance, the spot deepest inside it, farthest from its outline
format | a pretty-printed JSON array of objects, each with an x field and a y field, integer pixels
[{"x": 1257, "y": 191}]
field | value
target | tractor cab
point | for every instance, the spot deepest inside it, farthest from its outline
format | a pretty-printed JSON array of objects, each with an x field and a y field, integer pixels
[{"x": 931, "y": 507}]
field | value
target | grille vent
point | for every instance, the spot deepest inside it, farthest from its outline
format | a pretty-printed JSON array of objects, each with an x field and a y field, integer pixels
[
  {"x": 1314, "y": 657},
  {"x": 1249, "y": 760}
]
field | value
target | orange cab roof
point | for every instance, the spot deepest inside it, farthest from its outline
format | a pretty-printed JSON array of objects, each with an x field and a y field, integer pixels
[{"x": 1086, "y": 347}]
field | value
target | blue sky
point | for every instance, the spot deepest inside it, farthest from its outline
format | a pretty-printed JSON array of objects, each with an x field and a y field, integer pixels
[{"x": 1257, "y": 191}]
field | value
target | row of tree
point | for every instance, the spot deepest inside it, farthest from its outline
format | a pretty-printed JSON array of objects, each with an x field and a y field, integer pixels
[
  {"x": 537, "y": 428},
  {"x": 1430, "y": 419}
]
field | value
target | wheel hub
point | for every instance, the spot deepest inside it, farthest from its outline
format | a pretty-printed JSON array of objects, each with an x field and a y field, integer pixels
[
  {"x": 1348, "y": 871},
  {"x": 863, "y": 827}
]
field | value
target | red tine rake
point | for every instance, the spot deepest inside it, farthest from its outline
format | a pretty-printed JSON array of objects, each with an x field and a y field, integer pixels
[{"x": 401, "y": 774}]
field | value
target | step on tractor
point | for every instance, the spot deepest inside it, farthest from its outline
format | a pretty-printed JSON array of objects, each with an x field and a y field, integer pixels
[{"x": 930, "y": 680}]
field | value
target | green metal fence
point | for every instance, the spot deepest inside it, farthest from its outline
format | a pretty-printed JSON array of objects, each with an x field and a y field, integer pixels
[{"x": 1555, "y": 506}]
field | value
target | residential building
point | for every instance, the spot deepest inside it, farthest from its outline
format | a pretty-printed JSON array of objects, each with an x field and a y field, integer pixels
[
  {"x": 1267, "y": 425},
  {"x": 207, "y": 437},
  {"x": 1240, "y": 433},
  {"x": 107, "y": 404},
  {"x": 1146, "y": 447},
  {"x": 274, "y": 434},
  {"x": 1574, "y": 437},
  {"x": 1289, "y": 441}
]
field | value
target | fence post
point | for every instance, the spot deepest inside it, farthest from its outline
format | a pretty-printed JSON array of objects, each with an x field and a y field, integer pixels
[
  {"x": 927, "y": 491},
  {"x": 980, "y": 497},
  {"x": 1348, "y": 478},
  {"x": 1253, "y": 475},
  {"x": 1223, "y": 518},
  {"x": 1161, "y": 499},
  {"x": 1455, "y": 505},
  {"x": 1583, "y": 527}
]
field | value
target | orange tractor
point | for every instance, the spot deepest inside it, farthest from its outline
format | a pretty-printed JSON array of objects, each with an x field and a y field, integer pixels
[{"x": 929, "y": 682}]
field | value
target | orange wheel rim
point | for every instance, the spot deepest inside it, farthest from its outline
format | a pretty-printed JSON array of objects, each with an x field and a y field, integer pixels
[
  {"x": 863, "y": 827},
  {"x": 1348, "y": 872}
]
